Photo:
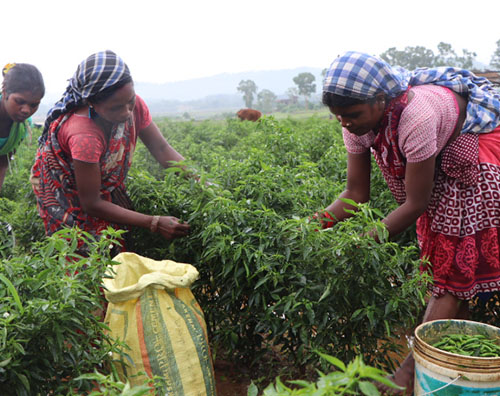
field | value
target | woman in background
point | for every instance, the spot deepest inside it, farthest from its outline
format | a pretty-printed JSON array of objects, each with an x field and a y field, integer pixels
[
  {"x": 22, "y": 91},
  {"x": 86, "y": 150}
]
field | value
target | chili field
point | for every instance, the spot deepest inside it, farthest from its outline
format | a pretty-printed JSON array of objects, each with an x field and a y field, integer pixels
[{"x": 275, "y": 289}]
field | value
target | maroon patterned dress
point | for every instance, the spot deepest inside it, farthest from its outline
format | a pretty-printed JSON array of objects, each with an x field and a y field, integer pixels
[{"x": 459, "y": 232}]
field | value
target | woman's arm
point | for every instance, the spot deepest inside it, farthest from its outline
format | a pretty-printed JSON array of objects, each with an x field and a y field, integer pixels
[
  {"x": 358, "y": 185},
  {"x": 163, "y": 152},
  {"x": 419, "y": 181},
  {"x": 88, "y": 182},
  {"x": 4, "y": 164}
]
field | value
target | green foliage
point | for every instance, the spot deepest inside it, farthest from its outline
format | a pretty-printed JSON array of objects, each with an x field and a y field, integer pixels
[
  {"x": 7, "y": 239},
  {"x": 49, "y": 332},
  {"x": 17, "y": 200},
  {"x": 18, "y": 175},
  {"x": 410, "y": 58},
  {"x": 110, "y": 385},
  {"x": 25, "y": 222},
  {"x": 354, "y": 379}
]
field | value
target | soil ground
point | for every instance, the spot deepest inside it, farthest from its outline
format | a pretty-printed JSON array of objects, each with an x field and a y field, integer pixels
[{"x": 230, "y": 380}]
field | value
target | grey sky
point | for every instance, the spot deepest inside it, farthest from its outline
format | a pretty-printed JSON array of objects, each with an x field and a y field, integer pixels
[{"x": 173, "y": 40}]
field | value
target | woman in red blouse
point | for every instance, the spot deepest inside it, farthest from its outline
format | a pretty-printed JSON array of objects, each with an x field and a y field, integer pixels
[{"x": 86, "y": 151}]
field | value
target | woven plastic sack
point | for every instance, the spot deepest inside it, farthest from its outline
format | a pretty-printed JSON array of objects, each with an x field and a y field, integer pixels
[{"x": 152, "y": 309}]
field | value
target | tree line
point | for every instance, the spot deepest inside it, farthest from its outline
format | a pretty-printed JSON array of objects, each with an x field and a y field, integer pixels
[{"x": 410, "y": 58}]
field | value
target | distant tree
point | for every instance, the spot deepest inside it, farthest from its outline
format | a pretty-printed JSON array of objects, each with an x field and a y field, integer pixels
[
  {"x": 448, "y": 57},
  {"x": 305, "y": 83},
  {"x": 266, "y": 100},
  {"x": 249, "y": 89},
  {"x": 292, "y": 94},
  {"x": 414, "y": 57},
  {"x": 410, "y": 58},
  {"x": 495, "y": 59},
  {"x": 467, "y": 60}
]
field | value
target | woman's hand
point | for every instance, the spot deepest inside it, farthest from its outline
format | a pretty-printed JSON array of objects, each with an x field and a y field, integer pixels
[
  {"x": 88, "y": 181},
  {"x": 357, "y": 190},
  {"x": 170, "y": 227}
]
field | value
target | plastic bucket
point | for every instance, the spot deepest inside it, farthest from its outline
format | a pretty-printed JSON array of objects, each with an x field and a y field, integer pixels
[{"x": 441, "y": 373}]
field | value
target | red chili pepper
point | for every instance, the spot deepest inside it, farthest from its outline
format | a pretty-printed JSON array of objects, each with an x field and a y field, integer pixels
[
  {"x": 322, "y": 219},
  {"x": 327, "y": 224}
]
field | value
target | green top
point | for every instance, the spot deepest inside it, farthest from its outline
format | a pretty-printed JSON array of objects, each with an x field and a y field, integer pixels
[{"x": 18, "y": 131}]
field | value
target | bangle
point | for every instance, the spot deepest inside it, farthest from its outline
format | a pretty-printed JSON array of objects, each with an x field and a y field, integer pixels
[{"x": 154, "y": 223}]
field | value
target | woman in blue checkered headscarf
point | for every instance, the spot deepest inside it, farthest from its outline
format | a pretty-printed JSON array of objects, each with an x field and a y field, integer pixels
[
  {"x": 361, "y": 76},
  {"x": 86, "y": 151},
  {"x": 435, "y": 135},
  {"x": 97, "y": 73}
]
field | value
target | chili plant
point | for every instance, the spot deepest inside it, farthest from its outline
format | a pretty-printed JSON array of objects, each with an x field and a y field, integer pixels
[
  {"x": 268, "y": 278},
  {"x": 356, "y": 378},
  {"x": 50, "y": 331}
]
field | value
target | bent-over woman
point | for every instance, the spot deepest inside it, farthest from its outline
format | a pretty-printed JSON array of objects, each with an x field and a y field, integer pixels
[
  {"x": 86, "y": 150},
  {"x": 435, "y": 136}
]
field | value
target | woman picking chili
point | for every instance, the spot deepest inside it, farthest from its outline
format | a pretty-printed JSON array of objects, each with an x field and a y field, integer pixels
[
  {"x": 435, "y": 135},
  {"x": 86, "y": 150}
]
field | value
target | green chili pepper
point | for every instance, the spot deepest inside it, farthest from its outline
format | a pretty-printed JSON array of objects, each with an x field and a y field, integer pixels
[{"x": 468, "y": 345}]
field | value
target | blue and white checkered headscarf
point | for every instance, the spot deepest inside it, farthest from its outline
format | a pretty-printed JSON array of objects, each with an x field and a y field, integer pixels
[
  {"x": 96, "y": 73},
  {"x": 362, "y": 76}
]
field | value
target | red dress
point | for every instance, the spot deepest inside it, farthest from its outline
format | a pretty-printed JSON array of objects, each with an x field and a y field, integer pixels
[
  {"x": 459, "y": 232},
  {"x": 53, "y": 172}
]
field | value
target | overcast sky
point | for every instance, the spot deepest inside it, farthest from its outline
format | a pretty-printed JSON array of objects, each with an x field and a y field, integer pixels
[{"x": 175, "y": 40}]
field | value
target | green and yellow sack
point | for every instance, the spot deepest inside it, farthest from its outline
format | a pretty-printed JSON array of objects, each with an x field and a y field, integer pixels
[{"x": 152, "y": 309}]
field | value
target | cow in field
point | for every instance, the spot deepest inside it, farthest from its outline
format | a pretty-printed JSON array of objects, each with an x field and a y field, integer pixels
[{"x": 249, "y": 114}]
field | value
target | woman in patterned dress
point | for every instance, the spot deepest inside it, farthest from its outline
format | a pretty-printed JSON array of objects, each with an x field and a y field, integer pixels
[
  {"x": 86, "y": 150},
  {"x": 435, "y": 135}
]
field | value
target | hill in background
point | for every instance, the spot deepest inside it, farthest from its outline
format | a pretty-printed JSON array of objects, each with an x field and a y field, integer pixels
[
  {"x": 277, "y": 81},
  {"x": 215, "y": 94}
]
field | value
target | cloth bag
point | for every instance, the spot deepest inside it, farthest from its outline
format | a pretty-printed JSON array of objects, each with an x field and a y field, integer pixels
[{"x": 152, "y": 310}]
